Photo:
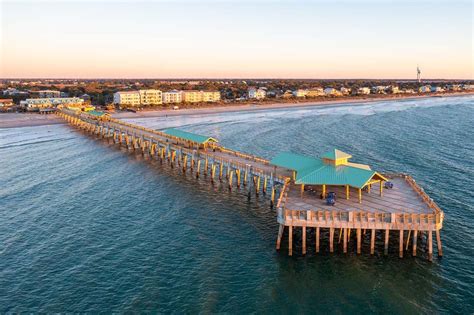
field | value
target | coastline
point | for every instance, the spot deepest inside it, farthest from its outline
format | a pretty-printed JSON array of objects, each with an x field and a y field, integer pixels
[
  {"x": 257, "y": 107},
  {"x": 18, "y": 120}
]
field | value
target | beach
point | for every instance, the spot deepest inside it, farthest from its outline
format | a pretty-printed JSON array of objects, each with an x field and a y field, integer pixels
[{"x": 16, "y": 120}]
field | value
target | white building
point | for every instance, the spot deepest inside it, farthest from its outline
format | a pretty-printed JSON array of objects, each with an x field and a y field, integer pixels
[
  {"x": 363, "y": 91},
  {"x": 49, "y": 94},
  {"x": 258, "y": 94},
  {"x": 345, "y": 91},
  {"x": 173, "y": 96},
  {"x": 192, "y": 96},
  {"x": 331, "y": 92},
  {"x": 150, "y": 97},
  {"x": 424, "y": 89},
  {"x": 393, "y": 89},
  {"x": 300, "y": 93},
  {"x": 34, "y": 104},
  {"x": 314, "y": 92},
  {"x": 127, "y": 98},
  {"x": 379, "y": 89},
  {"x": 437, "y": 89}
]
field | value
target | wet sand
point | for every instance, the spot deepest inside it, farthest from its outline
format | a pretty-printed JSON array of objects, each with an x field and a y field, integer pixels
[{"x": 16, "y": 120}]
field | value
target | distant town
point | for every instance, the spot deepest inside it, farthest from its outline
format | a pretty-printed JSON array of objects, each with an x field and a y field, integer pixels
[{"x": 45, "y": 95}]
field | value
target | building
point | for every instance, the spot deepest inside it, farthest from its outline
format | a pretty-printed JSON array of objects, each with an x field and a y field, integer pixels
[
  {"x": 379, "y": 89},
  {"x": 49, "y": 94},
  {"x": 393, "y": 89},
  {"x": 35, "y": 104},
  {"x": 14, "y": 92},
  {"x": 437, "y": 89},
  {"x": 424, "y": 89},
  {"x": 258, "y": 94},
  {"x": 150, "y": 97},
  {"x": 315, "y": 92},
  {"x": 201, "y": 96},
  {"x": 345, "y": 91},
  {"x": 332, "y": 92},
  {"x": 300, "y": 93},
  {"x": 127, "y": 98},
  {"x": 363, "y": 91},
  {"x": 173, "y": 96},
  {"x": 211, "y": 96}
]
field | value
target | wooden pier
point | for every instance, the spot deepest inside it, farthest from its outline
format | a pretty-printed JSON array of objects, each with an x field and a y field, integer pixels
[{"x": 404, "y": 211}]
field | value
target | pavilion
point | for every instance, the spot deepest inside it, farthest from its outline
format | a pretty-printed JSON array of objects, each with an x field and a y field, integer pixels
[
  {"x": 332, "y": 169},
  {"x": 192, "y": 140}
]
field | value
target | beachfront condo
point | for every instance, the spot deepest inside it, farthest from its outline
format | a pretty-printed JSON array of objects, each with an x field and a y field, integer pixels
[
  {"x": 173, "y": 96},
  {"x": 201, "y": 96}
]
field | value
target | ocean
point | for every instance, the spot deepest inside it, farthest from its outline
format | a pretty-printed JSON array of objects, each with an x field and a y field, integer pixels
[{"x": 86, "y": 226}]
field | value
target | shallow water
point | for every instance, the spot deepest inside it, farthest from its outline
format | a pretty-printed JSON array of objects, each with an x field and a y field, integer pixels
[{"x": 86, "y": 226}]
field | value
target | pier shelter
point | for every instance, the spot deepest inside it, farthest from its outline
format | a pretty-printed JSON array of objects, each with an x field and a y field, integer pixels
[{"x": 192, "y": 140}]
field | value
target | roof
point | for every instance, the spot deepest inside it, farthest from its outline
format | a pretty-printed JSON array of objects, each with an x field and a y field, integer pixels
[
  {"x": 336, "y": 154},
  {"x": 313, "y": 171},
  {"x": 189, "y": 136},
  {"x": 294, "y": 161},
  {"x": 96, "y": 113}
]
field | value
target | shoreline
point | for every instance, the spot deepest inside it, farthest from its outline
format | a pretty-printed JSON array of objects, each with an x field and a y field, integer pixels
[
  {"x": 18, "y": 120},
  {"x": 258, "y": 107}
]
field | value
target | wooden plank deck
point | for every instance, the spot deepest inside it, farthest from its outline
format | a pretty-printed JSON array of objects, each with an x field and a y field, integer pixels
[{"x": 401, "y": 199}]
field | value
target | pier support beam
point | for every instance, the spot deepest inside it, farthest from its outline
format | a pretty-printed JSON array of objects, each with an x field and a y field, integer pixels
[
  {"x": 344, "y": 241},
  {"x": 281, "y": 228},
  {"x": 430, "y": 245},
  {"x": 347, "y": 192},
  {"x": 317, "y": 240},
  {"x": 290, "y": 240},
  {"x": 438, "y": 242},
  {"x": 415, "y": 239},
  {"x": 400, "y": 254},
  {"x": 372, "y": 242},
  {"x": 331, "y": 240},
  {"x": 359, "y": 241},
  {"x": 387, "y": 235},
  {"x": 303, "y": 236}
]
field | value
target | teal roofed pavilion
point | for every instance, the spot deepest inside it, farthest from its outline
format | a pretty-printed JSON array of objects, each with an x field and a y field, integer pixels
[
  {"x": 332, "y": 169},
  {"x": 192, "y": 139}
]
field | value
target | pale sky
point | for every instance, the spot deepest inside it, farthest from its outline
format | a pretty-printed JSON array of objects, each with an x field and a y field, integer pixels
[{"x": 236, "y": 39}]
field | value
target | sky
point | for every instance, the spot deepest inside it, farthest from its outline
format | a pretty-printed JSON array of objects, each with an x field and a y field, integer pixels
[{"x": 236, "y": 39}]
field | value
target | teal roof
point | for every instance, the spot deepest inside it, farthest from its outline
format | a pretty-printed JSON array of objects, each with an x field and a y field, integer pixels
[
  {"x": 312, "y": 171},
  {"x": 335, "y": 175},
  {"x": 295, "y": 162},
  {"x": 336, "y": 154},
  {"x": 96, "y": 113},
  {"x": 188, "y": 135}
]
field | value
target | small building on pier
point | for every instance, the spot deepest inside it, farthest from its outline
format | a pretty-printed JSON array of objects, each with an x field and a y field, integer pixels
[{"x": 191, "y": 140}]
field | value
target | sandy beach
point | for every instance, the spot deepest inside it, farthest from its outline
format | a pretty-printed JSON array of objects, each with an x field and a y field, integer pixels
[{"x": 16, "y": 120}]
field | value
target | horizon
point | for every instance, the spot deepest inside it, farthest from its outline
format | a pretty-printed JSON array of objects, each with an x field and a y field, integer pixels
[{"x": 225, "y": 40}]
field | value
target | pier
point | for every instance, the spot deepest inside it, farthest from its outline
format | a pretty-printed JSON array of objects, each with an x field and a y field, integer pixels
[{"x": 329, "y": 195}]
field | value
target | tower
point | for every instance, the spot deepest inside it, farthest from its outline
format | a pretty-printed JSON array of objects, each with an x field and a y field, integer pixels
[{"x": 418, "y": 74}]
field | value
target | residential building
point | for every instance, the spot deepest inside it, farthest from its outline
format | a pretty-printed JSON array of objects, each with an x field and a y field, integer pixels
[
  {"x": 332, "y": 92},
  {"x": 379, "y": 89},
  {"x": 300, "y": 93},
  {"x": 258, "y": 94},
  {"x": 150, "y": 97},
  {"x": 6, "y": 102},
  {"x": 49, "y": 94},
  {"x": 127, "y": 98},
  {"x": 35, "y": 104},
  {"x": 393, "y": 89},
  {"x": 287, "y": 94},
  {"x": 437, "y": 89},
  {"x": 314, "y": 92},
  {"x": 363, "y": 91},
  {"x": 345, "y": 91},
  {"x": 14, "y": 92},
  {"x": 424, "y": 89},
  {"x": 173, "y": 96},
  {"x": 201, "y": 96}
]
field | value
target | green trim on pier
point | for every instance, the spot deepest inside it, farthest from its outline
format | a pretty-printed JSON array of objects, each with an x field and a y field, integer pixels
[
  {"x": 189, "y": 136},
  {"x": 96, "y": 113}
]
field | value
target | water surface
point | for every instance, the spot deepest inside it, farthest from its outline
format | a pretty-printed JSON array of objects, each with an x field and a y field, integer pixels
[{"x": 86, "y": 226}]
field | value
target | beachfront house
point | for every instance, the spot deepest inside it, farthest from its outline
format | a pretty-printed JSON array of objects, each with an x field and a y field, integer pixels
[
  {"x": 36, "y": 104},
  {"x": 315, "y": 92},
  {"x": 437, "y": 89},
  {"x": 363, "y": 91},
  {"x": 258, "y": 94},
  {"x": 424, "y": 89},
  {"x": 332, "y": 92},
  {"x": 392, "y": 89},
  {"x": 300, "y": 93},
  {"x": 345, "y": 91}
]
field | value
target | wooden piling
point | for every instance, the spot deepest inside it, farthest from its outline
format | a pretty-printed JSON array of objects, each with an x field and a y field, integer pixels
[
  {"x": 344, "y": 241},
  {"x": 387, "y": 234},
  {"x": 331, "y": 240},
  {"x": 303, "y": 235},
  {"x": 317, "y": 240},
  {"x": 415, "y": 239},
  {"x": 400, "y": 254},
  {"x": 359, "y": 242},
  {"x": 430, "y": 245},
  {"x": 372, "y": 242},
  {"x": 290, "y": 240},
  {"x": 438, "y": 242},
  {"x": 281, "y": 228}
]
